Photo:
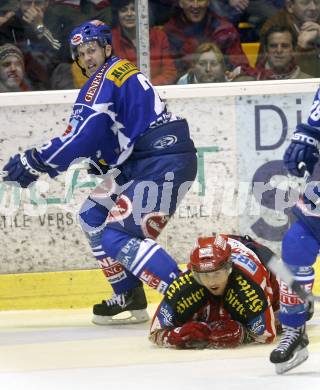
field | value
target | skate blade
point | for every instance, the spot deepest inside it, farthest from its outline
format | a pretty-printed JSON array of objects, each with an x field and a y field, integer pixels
[
  {"x": 298, "y": 358},
  {"x": 127, "y": 317}
]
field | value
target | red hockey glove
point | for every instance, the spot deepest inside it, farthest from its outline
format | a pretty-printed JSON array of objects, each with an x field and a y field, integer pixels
[
  {"x": 190, "y": 335},
  {"x": 226, "y": 334}
]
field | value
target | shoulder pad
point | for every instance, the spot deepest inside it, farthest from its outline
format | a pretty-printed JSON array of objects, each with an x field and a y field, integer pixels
[
  {"x": 185, "y": 296},
  {"x": 244, "y": 299},
  {"x": 120, "y": 71}
]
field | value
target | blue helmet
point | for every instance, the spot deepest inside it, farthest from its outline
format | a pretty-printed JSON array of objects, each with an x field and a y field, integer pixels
[{"x": 93, "y": 30}]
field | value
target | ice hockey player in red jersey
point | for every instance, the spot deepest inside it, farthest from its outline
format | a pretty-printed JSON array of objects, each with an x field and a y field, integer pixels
[{"x": 225, "y": 298}]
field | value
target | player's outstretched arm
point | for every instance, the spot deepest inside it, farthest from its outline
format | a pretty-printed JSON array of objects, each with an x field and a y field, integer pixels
[{"x": 26, "y": 168}]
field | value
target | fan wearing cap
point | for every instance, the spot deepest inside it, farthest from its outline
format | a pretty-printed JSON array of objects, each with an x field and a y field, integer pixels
[
  {"x": 12, "y": 71},
  {"x": 225, "y": 298}
]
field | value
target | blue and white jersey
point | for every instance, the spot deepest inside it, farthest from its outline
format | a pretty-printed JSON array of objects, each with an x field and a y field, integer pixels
[
  {"x": 307, "y": 208},
  {"x": 314, "y": 116},
  {"x": 114, "y": 107}
]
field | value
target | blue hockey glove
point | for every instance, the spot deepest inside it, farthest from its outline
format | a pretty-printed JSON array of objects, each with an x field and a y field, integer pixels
[
  {"x": 26, "y": 168},
  {"x": 304, "y": 147}
]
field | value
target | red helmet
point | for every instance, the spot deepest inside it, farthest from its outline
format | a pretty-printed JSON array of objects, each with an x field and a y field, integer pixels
[{"x": 210, "y": 254}]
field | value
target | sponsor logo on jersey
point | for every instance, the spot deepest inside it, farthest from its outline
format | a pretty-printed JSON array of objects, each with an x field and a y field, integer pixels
[
  {"x": 288, "y": 297},
  {"x": 152, "y": 224},
  {"x": 76, "y": 114},
  {"x": 245, "y": 262},
  {"x": 177, "y": 284},
  {"x": 121, "y": 71},
  {"x": 121, "y": 210},
  {"x": 166, "y": 314},
  {"x": 243, "y": 298},
  {"x": 257, "y": 326},
  {"x": 71, "y": 128},
  {"x": 150, "y": 279},
  {"x": 95, "y": 84},
  {"x": 129, "y": 252},
  {"x": 113, "y": 270},
  {"x": 188, "y": 301},
  {"x": 164, "y": 142}
]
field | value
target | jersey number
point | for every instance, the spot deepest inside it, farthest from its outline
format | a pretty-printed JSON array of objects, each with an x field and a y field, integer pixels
[
  {"x": 158, "y": 104},
  {"x": 315, "y": 110}
]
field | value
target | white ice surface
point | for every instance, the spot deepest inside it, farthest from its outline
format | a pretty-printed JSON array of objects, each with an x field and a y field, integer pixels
[{"x": 62, "y": 350}]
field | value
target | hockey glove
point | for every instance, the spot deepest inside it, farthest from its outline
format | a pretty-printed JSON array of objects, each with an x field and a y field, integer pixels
[
  {"x": 304, "y": 148},
  {"x": 26, "y": 168},
  {"x": 97, "y": 168},
  {"x": 190, "y": 335},
  {"x": 226, "y": 334}
]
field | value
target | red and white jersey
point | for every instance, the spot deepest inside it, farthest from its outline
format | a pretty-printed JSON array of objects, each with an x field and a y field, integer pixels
[{"x": 251, "y": 297}]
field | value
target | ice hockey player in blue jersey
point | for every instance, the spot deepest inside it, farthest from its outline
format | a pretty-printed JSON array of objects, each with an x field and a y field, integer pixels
[
  {"x": 146, "y": 158},
  {"x": 301, "y": 243}
]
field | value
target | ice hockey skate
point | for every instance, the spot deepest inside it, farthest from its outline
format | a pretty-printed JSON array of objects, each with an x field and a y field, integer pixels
[
  {"x": 126, "y": 308},
  {"x": 291, "y": 351}
]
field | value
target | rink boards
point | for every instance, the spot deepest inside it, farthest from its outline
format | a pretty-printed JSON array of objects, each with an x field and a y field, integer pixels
[
  {"x": 240, "y": 131},
  {"x": 68, "y": 289}
]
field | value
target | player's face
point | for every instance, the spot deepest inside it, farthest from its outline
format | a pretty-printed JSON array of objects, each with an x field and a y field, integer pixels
[
  {"x": 215, "y": 281},
  {"x": 194, "y": 10},
  {"x": 208, "y": 69},
  {"x": 127, "y": 16},
  {"x": 280, "y": 50},
  {"x": 11, "y": 72},
  {"x": 91, "y": 56},
  {"x": 305, "y": 10}
]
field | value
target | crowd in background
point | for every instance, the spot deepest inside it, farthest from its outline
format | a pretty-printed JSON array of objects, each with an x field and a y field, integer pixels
[{"x": 191, "y": 41}]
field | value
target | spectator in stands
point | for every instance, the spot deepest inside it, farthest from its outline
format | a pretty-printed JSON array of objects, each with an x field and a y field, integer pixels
[
  {"x": 12, "y": 73},
  {"x": 36, "y": 34},
  {"x": 278, "y": 61},
  {"x": 208, "y": 66},
  {"x": 192, "y": 24},
  {"x": 163, "y": 70},
  {"x": 254, "y": 12},
  {"x": 303, "y": 17},
  {"x": 77, "y": 11},
  {"x": 7, "y": 10},
  {"x": 161, "y": 11}
]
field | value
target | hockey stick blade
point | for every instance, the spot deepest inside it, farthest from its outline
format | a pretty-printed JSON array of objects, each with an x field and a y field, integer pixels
[{"x": 281, "y": 271}]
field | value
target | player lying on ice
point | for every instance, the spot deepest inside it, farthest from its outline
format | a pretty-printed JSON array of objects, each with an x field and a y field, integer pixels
[{"x": 226, "y": 298}]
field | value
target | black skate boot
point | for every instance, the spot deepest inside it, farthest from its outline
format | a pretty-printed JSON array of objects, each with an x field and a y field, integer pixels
[
  {"x": 133, "y": 301},
  {"x": 292, "y": 349}
]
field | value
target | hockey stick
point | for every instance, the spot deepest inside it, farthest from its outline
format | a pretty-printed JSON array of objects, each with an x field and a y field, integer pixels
[{"x": 278, "y": 267}]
